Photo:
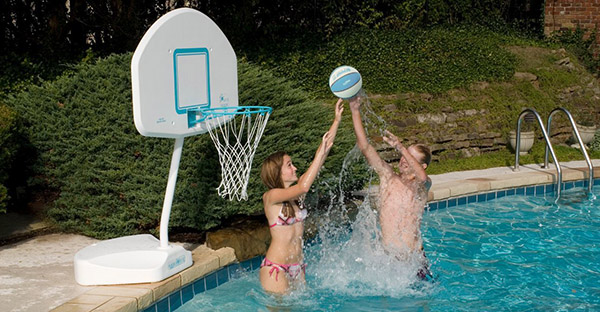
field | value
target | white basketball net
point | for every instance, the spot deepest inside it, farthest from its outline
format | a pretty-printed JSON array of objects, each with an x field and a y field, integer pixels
[{"x": 236, "y": 138}]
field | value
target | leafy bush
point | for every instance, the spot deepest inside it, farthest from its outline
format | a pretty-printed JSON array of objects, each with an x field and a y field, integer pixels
[
  {"x": 595, "y": 144},
  {"x": 111, "y": 180},
  {"x": 417, "y": 60},
  {"x": 586, "y": 48},
  {"x": 19, "y": 71},
  {"x": 14, "y": 159},
  {"x": 7, "y": 151}
]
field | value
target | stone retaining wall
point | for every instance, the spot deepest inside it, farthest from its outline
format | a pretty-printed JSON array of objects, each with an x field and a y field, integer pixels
[
  {"x": 458, "y": 136},
  {"x": 452, "y": 133}
]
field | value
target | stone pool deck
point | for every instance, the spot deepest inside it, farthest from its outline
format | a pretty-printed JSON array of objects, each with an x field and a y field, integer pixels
[
  {"x": 136, "y": 297},
  {"x": 477, "y": 181},
  {"x": 37, "y": 274}
]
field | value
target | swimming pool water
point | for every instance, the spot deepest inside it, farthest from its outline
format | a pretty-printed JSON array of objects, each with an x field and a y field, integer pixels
[{"x": 513, "y": 253}]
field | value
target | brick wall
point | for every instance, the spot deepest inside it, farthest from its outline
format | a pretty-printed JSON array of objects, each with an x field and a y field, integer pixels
[{"x": 567, "y": 14}]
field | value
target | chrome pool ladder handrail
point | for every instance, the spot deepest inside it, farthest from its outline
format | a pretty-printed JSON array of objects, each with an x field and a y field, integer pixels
[
  {"x": 548, "y": 145},
  {"x": 578, "y": 137}
]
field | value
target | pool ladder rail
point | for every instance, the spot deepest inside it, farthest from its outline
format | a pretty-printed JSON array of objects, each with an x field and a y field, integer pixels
[{"x": 550, "y": 149}]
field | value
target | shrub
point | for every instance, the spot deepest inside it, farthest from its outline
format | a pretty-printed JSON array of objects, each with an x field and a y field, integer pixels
[
  {"x": 595, "y": 144},
  {"x": 586, "y": 48},
  {"x": 111, "y": 180},
  {"x": 20, "y": 71},
  {"x": 391, "y": 61},
  {"x": 13, "y": 159},
  {"x": 7, "y": 151}
]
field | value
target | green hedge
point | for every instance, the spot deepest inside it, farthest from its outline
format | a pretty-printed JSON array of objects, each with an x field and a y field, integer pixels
[
  {"x": 15, "y": 159},
  {"x": 111, "y": 180},
  {"x": 7, "y": 151},
  {"x": 391, "y": 61}
]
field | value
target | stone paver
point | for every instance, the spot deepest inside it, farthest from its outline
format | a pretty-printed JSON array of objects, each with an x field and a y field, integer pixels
[
  {"x": 134, "y": 297},
  {"x": 37, "y": 274}
]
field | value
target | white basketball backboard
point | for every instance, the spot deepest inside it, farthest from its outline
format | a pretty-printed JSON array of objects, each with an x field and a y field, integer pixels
[
  {"x": 183, "y": 63},
  {"x": 182, "y": 67}
]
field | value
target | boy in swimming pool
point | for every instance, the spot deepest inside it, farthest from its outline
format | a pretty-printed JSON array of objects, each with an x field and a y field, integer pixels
[{"x": 402, "y": 195}]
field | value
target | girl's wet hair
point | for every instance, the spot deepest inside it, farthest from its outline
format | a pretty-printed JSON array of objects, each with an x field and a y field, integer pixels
[
  {"x": 270, "y": 171},
  {"x": 270, "y": 174}
]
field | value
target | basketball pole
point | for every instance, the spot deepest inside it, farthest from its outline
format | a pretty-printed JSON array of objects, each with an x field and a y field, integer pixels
[{"x": 169, "y": 193}]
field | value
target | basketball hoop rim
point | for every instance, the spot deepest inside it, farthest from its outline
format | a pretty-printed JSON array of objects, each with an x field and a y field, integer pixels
[{"x": 215, "y": 112}]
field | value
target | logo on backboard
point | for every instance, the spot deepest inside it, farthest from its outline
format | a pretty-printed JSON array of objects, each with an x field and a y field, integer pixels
[{"x": 223, "y": 99}]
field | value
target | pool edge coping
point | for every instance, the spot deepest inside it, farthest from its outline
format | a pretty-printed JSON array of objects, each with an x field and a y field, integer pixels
[
  {"x": 137, "y": 297},
  {"x": 478, "y": 185},
  {"x": 206, "y": 262}
]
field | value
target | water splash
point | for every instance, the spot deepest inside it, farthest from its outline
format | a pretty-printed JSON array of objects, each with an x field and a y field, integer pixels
[
  {"x": 347, "y": 256},
  {"x": 352, "y": 261}
]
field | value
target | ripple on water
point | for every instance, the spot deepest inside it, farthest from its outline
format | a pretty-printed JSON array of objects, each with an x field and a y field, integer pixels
[{"x": 510, "y": 254}]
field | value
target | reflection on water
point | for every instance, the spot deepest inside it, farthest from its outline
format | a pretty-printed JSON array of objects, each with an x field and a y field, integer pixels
[
  {"x": 510, "y": 254},
  {"x": 513, "y": 253}
]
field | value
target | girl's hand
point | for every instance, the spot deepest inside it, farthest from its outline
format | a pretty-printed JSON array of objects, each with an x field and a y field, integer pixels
[
  {"x": 327, "y": 142},
  {"x": 339, "y": 108}
]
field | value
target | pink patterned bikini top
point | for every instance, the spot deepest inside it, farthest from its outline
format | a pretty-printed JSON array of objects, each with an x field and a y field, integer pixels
[{"x": 283, "y": 220}]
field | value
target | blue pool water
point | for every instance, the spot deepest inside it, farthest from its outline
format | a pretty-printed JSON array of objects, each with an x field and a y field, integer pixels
[{"x": 513, "y": 253}]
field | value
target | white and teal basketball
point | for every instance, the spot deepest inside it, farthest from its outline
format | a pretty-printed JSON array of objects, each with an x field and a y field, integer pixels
[{"x": 345, "y": 82}]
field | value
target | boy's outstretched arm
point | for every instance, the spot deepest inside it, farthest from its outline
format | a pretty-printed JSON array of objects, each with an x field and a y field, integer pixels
[
  {"x": 367, "y": 149},
  {"x": 414, "y": 164}
]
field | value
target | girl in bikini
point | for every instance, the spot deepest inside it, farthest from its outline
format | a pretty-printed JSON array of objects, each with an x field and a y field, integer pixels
[{"x": 283, "y": 266}]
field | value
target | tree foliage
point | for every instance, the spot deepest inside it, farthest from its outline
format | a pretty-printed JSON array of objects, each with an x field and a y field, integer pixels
[
  {"x": 419, "y": 60},
  {"x": 7, "y": 151},
  {"x": 62, "y": 28}
]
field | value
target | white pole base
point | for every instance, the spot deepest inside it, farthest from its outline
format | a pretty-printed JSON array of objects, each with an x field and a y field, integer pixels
[{"x": 129, "y": 260}]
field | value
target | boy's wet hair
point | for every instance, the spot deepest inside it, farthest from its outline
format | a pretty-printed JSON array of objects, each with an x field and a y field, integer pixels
[{"x": 425, "y": 151}]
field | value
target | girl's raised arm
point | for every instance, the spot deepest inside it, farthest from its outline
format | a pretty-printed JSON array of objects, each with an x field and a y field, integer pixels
[{"x": 306, "y": 180}]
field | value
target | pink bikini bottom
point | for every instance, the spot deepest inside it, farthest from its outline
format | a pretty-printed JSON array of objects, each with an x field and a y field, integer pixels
[{"x": 292, "y": 270}]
